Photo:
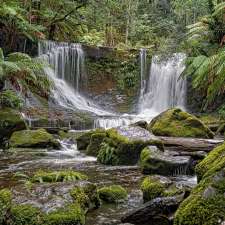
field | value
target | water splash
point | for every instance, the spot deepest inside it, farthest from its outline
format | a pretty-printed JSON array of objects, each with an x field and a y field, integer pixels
[{"x": 67, "y": 62}]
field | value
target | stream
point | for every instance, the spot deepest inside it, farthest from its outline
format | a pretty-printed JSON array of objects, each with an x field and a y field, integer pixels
[{"x": 28, "y": 161}]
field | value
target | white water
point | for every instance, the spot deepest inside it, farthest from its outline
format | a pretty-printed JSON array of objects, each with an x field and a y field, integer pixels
[
  {"x": 164, "y": 89},
  {"x": 67, "y": 62}
]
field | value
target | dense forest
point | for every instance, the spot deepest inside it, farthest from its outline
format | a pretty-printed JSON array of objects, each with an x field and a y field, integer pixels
[{"x": 112, "y": 112}]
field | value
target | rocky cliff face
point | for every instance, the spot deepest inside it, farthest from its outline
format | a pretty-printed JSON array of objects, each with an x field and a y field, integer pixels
[{"x": 112, "y": 77}]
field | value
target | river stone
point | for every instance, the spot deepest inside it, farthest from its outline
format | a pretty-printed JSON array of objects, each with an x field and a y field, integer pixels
[
  {"x": 155, "y": 212},
  {"x": 52, "y": 196},
  {"x": 206, "y": 203},
  {"x": 154, "y": 161},
  {"x": 177, "y": 123},
  {"x": 135, "y": 133},
  {"x": 10, "y": 121},
  {"x": 33, "y": 138}
]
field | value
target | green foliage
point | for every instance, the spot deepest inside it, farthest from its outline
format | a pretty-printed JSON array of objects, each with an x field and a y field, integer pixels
[
  {"x": 26, "y": 215},
  {"x": 24, "y": 73},
  {"x": 205, "y": 41},
  {"x": 10, "y": 99},
  {"x": 5, "y": 204},
  {"x": 57, "y": 176},
  {"x": 107, "y": 155},
  {"x": 112, "y": 194}
]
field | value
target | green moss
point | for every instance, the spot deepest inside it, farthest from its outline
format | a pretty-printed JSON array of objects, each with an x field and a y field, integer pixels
[
  {"x": 26, "y": 215},
  {"x": 152, "y": 188},
  {"x": 119, "y": 150},
  {"x": 176, "y": 123},
  {"x": 95, "y": 143},
  {"x": 206, "y": 204},
  {"x": 214, "y": 161},
  {"x": 112, "y": 194},
  {"x": 84, "y": 139},
  {"x": 33, "y": 138},
  {"x": 72, "y": 215},
  {"x": 5, "y": 204},
  {"x": 9, "y": 98},
  {"x": 87, "y": 196},
  {"x": 80, "y": 197},
  {"x": 57, "y": 176},
  {"x": 10, "y": 121}
]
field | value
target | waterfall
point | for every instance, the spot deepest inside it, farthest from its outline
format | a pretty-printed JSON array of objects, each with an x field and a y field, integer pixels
[
  {"x": 165, "y": 88},
  {"x": 67, "y": 70},
  {"x": 143, "y": 68}
]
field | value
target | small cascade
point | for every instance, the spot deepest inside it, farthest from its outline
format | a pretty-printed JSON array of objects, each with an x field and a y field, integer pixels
[
  {"x": 143, "y": 65},
  {"x": 110, "y": 122},
  {"x": 165, "y": 88}
]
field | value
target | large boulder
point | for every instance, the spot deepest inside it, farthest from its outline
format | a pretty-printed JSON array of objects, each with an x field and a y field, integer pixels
[
  {"x": 206, "y": 203},
  {"x": 84, "y": 139},
  {"x": 123, "y": 145},
  {"x": 177, "y": 123},
  {"x": 10, "y": 121},
  {"x": 154, "y": 161},
  {"x": 155, "y": 212},
  {"x": 33, "y": 139}
]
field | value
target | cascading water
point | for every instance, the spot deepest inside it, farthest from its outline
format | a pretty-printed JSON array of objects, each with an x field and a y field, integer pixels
[
  {"x": 67, "y": 61},
  {"x": 165, "y": 88},
  {"x": 143, "y": 65}
]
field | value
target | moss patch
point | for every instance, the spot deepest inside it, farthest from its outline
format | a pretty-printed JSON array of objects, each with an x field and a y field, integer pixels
[
  {"x": 33, "y": 138},
  {"x": 26, "y": 215},
  {"x": 84, "y": 139},
  {"x": 177, "y": 123},
  {"x": 72, "y": 215},
  {"x": 119, "y": 150},
  {"x": 57, "y": 176},
  {"x": 152, "y": 188},
  {"x": 112, "y": 194},
  {"x": 95, "y": 143},
  {"x": 206, "y": 204},
  {"x": 10, "y": 121}
]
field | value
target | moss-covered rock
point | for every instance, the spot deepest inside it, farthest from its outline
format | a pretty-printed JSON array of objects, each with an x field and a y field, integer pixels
[
  {"x": 10, "y": 121},
  {"x": 177, "y": 123},
  {"x": 112, "y": 194},
  {"x": 87, "y": 196},
  {"x": 72, "y": 215},
  {"x": 26, "y": 215},
  {"x": 152, "y": 188},
  {"x": 5, "y": 205},
  {"x": 95, "y": 143},
  {"x": 84, "y": 139},
  {"x": 154, "y": 161},
  {"x": 122, "y": 146},
  {"x": 158, "y": 186},
  {"x": 206, "y": 204},
  {"x": 57, "y": 176},
  {"x": 33, "y": 138},
  {"x": 215, "y": 159}
]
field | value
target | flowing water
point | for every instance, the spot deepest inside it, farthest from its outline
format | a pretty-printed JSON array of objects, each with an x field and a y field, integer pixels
[
  {"x": 66, "y": 71},
  {"x": 165, "y": 89},
  {"x": 160, "y": 89},
  {"x": 27, "y": 161}
]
